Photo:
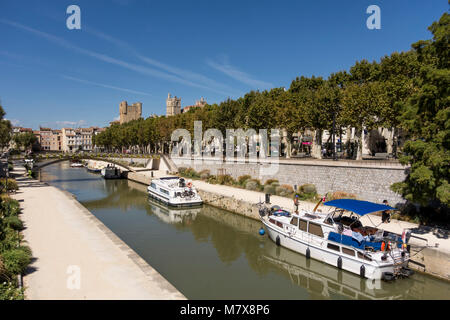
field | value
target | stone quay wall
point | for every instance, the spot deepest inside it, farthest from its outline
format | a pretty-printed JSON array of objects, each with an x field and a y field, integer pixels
[{"x": 368, "y": 181}]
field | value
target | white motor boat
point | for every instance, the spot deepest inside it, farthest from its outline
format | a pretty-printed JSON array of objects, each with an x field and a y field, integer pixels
[
  {"x": 339, "y": 238},
  {"x": 174, "y": 191},
  {"x": 76, "y": 165}
]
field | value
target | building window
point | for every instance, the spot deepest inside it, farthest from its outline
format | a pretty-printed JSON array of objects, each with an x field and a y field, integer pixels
[{"x": 315, "y": 229}]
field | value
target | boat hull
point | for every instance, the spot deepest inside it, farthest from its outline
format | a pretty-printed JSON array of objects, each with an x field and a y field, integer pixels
[
  {"x": 172, "y": 203},
  {"x": 317, "y": 250}
]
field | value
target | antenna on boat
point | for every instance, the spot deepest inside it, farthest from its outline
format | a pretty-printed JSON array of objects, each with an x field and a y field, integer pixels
[{"x": 318, "y": 203}]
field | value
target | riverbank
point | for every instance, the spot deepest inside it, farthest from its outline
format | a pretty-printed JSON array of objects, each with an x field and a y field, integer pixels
[
  {"x": 75, "y": 255},
  {"x": 434, "y": 261}
]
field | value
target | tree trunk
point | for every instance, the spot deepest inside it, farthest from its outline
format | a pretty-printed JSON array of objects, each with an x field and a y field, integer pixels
[
  {"x": 358, "y": 140},
  {"x": 316, "y": 151}
]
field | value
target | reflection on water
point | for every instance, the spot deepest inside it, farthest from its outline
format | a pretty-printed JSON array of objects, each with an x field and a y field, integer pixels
[{"x": 208, "y": 253}]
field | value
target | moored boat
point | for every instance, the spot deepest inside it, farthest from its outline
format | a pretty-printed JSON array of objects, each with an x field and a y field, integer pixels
[
  {"x": 111, "y": 172},
  {"x": 76, "y": 165},
  {"x": 174, "y": 191},
  {"x": 339, "y": 238}
]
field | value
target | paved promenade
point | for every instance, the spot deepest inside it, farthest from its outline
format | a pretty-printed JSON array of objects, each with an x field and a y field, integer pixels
[{"x": 72, "y": 248}]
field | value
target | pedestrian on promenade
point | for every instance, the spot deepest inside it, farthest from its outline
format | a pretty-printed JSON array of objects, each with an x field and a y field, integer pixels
[
  {"x": 386, "y": 214},
  {"x": 296, "y": 203}
]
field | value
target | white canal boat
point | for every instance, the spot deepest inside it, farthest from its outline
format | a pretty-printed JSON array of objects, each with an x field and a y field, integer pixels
[
  {"x": 174, "y": 191},
  {"x": 339, "y": 238}
]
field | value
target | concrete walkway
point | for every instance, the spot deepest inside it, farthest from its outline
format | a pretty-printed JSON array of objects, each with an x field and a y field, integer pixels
[{"x": 76, "y": 256}]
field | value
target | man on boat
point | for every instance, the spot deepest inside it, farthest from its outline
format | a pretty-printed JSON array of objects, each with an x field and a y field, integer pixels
[{"x": 386, "y": 214}]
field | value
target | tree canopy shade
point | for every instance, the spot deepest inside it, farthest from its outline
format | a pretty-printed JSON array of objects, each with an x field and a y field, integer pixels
[
  {"x": 426, "y": 117},
  {"x": 24, "y": 139},
  {"x": 5, "y": 129}
]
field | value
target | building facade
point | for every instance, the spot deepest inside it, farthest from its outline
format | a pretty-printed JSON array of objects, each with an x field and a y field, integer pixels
[
  {"x": 173, "y": 105},
  {"x": 198, "y": 104},
  {"x": 130, "y": 112}
]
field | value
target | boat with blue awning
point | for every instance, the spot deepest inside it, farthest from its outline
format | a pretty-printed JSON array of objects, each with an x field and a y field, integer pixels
[{"x": 340, "y": 239}]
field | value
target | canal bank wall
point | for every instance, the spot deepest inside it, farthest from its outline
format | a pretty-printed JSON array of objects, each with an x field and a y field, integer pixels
[
  {"x": 368, "y": 180},
  {"x": 432, "y": 261},
  {"x": 76, "y": 256}
]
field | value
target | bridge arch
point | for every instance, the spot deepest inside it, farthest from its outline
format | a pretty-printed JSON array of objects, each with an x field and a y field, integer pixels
[{"x": 110, "y": 161}]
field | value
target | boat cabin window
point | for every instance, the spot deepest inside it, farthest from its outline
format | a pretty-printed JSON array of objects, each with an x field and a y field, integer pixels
[
  {"x": 363, "y": 256},
  {"x": 333, "y": 247},
  {"x": 272, "y": 221},
  {"x": 303, "y": 225},
  {"x": 164, "y": 191},
  {"x": 279, "y": 224},
  {"x": 294, "y": 221},
  {"x": 153, "y": 185},
  {"x": 315, "y": 229},
  {"x": 350, "y": 252}
]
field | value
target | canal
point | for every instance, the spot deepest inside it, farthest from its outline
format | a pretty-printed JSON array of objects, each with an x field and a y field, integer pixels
[{"x": 208, "y": 253}]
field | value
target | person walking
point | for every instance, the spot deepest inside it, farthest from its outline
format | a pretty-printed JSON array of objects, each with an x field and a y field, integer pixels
[
  {"x": 296, "y": 203},
  {"x": 386, "y": 214}
]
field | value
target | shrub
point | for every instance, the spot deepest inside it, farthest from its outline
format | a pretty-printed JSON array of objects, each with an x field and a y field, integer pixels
[
  {"x": 13, "y": 222},
  {"x": 243, "y": 179},
  {"x": 11, "y": 184},
  {"x": 270, "y": 181},
  {"x": 225, "y": 179},
  {"x": 340, "y": 195},
  {"x": 16, "y": 260},
  {"x": 252, "y": 184},
  {"x": 269, "y": 189},
  {"x": 284, "y": 190},
  {"x": 10, "y": 167},
  {"x": 212, "y": 179},
  {"x": 308, "y": 188},
  {"x": 9, "y": 291},
  {"x": 204, "y": 174},
  {"x": 10, "y": 207}
]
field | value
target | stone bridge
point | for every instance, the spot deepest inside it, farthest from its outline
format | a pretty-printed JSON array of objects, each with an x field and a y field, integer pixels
[{"x": 39, "y": 165}]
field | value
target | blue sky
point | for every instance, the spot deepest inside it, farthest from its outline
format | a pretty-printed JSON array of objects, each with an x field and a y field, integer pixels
[{"x": 138, "y": 50}]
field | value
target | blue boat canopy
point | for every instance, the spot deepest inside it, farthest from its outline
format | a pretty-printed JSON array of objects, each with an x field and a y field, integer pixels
[{"x": 358, "y": 206}]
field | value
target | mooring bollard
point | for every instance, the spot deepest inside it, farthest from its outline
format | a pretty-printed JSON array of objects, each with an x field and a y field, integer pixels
[{"x": 267, "y": 198}]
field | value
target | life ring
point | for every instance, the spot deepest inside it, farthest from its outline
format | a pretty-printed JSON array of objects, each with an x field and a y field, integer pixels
[{"x": 189, "y": 185}]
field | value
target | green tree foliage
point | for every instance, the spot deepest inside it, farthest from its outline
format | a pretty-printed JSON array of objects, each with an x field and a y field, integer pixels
[
  {"x": 405, "y": 91},
  {"x": 5, "y": 129},
  {"x": 427, "y": 119},
  {"x": 25, "y": 139}
]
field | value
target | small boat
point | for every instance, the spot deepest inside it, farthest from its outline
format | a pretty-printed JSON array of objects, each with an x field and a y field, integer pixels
[
  {"x": 339, "y": 238},
  {"x": 76, "y": 165},
  {"x": 111, "y": 172},
  {"x": 94, "y": 170},
  {"x": 174, "y": 191}
]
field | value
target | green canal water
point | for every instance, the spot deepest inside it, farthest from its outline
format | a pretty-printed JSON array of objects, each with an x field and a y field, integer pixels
[{"x": 208, "y": 253}]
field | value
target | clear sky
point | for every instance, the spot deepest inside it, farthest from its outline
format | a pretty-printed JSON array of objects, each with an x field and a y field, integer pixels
[{"x": 138, "y": 50}]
